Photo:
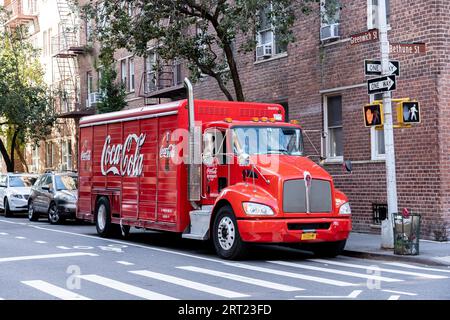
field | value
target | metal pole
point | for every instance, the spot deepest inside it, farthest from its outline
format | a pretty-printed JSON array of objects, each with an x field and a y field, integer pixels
[{"x": 387, "y": 233}]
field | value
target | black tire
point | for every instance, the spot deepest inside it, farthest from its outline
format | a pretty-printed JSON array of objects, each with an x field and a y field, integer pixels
[
  {"x": 54, "y": 217},
  {"x": 32, "y": 214},
  {"x": 227, "y": 246},
  {"x": 103, "y": 225},
  {"x": 8, "y": 212},
  {"x": 328, "y": 249}
]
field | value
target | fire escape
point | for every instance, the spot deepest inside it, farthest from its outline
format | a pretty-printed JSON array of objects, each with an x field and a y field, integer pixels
[
  {"x": 22, "y": 13},
  {"x": 161, "y": 80},
  {"x": 66, "y": 48}
]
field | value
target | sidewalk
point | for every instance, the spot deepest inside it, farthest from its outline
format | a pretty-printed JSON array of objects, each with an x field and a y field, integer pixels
[{"x": 368, "y": 245}]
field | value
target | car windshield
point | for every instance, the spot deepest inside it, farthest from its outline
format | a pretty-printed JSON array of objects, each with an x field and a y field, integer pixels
[
  {"x": 21, "y": 181},
  {"x": 69, "y": 183},
  {"x": 268, "y": 140}
]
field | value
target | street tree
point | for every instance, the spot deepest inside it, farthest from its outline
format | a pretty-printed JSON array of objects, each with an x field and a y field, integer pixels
[
  {"x": 204, "y": 33},
  {"x": 26, "y": 112}
]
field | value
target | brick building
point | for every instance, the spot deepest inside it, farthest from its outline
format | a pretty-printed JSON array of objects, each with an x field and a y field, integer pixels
[{"x": 320, "y": 80}]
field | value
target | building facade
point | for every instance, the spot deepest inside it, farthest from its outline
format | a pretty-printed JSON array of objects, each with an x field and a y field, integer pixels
[{"x": 320, "y": 81}]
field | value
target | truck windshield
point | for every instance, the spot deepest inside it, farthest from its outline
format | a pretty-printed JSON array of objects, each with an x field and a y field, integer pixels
[{"x": 267, "y": 140}]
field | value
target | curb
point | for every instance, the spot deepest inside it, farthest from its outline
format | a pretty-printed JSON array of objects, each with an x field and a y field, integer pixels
[{"x": 379, "y": 256}]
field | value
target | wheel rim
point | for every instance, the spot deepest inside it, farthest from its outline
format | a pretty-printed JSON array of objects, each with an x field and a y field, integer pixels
[
  {"x": 53, "y": 214},
  {"x": 101, "y": 217},
  {"x": 30, "y": 211},
  {"x": 226, "y": 233}
]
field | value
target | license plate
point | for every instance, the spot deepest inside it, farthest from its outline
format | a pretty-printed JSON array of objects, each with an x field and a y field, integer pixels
[{"x": 309, "y": 236}]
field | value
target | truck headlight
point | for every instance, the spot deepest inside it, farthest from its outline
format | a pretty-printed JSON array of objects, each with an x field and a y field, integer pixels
[
  {"x": 345, "y": 209},
  {"x": 256, "y": 209}
]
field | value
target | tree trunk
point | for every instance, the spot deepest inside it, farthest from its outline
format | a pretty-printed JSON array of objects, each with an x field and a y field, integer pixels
[
  {"x": 4, "y": 152},
  {"x": 234, "y": 72},
  {"x": 22, "y": 159},
  {"x": 12, "y": 149}
]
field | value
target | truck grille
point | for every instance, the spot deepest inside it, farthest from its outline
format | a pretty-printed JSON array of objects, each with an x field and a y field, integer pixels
[
  {"x": 294, "y": 196},
  {"x": 309, "y": 226}
]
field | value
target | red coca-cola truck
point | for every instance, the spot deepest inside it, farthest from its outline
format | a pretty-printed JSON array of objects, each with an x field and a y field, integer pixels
[{"x": 232, "y": 172}]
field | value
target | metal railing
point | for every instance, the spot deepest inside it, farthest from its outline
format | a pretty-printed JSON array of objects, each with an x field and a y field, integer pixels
[{"x": 168, "y": 75}]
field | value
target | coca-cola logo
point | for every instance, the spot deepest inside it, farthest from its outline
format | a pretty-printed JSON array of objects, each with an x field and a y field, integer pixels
[
  {"x": 167, "y": 152},
  {"x": 118, "y": 158},
  {"x": 86, "y": 155}
]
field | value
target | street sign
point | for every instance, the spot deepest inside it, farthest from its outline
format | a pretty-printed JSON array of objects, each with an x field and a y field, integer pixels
[
  {"x": 366, "y": 36},
  {"x": 409, "y": 112},
  {"x": 407, "y": 48},
  {"x": 383, "y": 84},
  {"x": 373, "y": 67},
  {"x": 373, "y": 115}
]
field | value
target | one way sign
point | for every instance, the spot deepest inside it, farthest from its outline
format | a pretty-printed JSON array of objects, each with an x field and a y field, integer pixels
[
  {"x": 382, "y": 84},
  {"x": 373, "y": 67}
]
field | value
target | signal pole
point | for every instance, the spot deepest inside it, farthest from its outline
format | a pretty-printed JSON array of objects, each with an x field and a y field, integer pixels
[{"x": 387, "y": 232}]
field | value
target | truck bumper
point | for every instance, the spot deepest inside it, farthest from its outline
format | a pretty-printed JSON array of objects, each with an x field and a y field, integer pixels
[{"x": 291, "y": 230}]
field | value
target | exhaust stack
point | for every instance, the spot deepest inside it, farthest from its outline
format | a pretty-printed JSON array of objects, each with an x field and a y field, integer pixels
[{"x": 194, "y": 169}]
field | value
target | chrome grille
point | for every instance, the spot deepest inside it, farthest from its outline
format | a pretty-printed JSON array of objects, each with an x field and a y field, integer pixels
[{"x": 294, "y": 196}]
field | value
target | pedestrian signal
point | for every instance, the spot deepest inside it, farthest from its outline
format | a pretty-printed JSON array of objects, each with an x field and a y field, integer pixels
[
  {"x": 409, "y": 112},
  {"x": 373, "y": 115}
]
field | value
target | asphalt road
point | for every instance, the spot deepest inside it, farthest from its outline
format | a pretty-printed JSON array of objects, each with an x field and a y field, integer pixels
[{"x": 40, "y": 261}]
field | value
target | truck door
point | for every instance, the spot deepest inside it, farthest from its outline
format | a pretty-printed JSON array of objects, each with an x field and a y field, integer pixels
[{"x": 215, "y": 164}]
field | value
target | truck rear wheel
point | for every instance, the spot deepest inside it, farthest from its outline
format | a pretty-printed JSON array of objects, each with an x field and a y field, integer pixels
[
  {"x": 226, "y": 238},
  {"x": 328, "y": 249},
  {"x": 103, "y": 218}
]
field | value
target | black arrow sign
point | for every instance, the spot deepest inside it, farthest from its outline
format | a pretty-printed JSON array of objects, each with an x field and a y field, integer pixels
[
  {"x": 383, "y": 84},
  {"x": 373, "y": 67}
]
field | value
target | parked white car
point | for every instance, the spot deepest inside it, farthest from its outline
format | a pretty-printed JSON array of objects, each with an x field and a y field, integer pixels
[{"x": 15, "y": 190}]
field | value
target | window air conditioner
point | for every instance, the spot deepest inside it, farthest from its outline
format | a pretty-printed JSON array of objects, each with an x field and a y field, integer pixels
[
  {"x": 330, "y": 31},
  {"x": 264, "y": 50}
]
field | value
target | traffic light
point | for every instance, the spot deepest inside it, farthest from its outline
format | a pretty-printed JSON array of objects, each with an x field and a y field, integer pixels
[
  {"x": 409, "y": 112},
  {"x": 373, "y": 115}
]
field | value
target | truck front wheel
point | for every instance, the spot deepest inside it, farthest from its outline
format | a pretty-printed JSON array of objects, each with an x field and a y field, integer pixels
[
  {"x": 227, "y": 241},
  {"x": 103, "y": 218}
]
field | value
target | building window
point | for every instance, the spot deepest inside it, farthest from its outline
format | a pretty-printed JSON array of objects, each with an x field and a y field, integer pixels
[
  {"x": 88, "y": 29},
  {"x": 131, "y": 72},
  {"x": 268, "y": 43},
  {"x": 123, "y": 72},
  {"x": 66, "y": 155},
  {"x": 330, "y": 12},
  {"x": 151, "y": 67},
  {"x": 44, "y": 43},
  {"x": 333, "y": 127},
  {"x": 372, "y": 13},
  {"x": 90, "y": 82},
  {"x": 35, "y": 159},
  {"x": 49, "y": 42},
  {"x": 377, "y": 136},
  {"x": 49, "y": 155}
]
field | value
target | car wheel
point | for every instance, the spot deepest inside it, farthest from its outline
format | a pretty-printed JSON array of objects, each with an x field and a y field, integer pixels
[
  {"x": 8, "y": 212},
  {"x": 226, "y": 238},
  {"x": 328, "y": 249},
  {"x": 32, "y": 214},
  {"x": 103, "y": 219},
  {"x": 53, "y": 214}
]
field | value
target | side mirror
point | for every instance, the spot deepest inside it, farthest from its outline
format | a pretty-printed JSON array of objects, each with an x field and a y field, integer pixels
[
  {"x": 244, "y": 159},
  {"x": 347, "y": 165}
]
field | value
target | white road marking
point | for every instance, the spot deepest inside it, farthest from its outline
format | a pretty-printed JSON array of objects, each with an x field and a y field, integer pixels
[
  {"x": 3, "y": 234},
  {"x": 292, "y": 275},
  {"x": 341, "y": 272},
  {"x": 404, "y": 265},
  {"x": 20, "y": 238},
  {"x": 48, "y": 256},
  {"x": 358, "y": 266},
  {"x": 190, "y": 284},
  {"x": 124, "y": 287},
  {"x": 63, "y": 248},
  {"x": 352, "y": 295},
  {"x": 394, "y": 297},
  {"x": 40, "y": 242},
  {"x": 125, "y": 263},
  {"x": 54, "y": 290},
  {"x": 235, "y": 277},
  {"x": 401, "y": 292}
]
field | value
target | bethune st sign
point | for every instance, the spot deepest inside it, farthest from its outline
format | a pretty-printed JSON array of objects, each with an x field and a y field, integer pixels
[{"x": 407, "y": 48}]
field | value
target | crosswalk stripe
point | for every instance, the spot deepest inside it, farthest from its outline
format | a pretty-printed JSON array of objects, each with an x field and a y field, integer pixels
[
  {"x": 404, "y": 265},
  {"x": 235, "y": 277},
  {"x": 394, "y": 297},
  {"x": 48, "y": 256},
  {"x": 125, "y": 263},
  {"x": 40, "y": 242},
  {"x": 124, "y": 287},
  {"x": 291, "y": 274},
  {"x": 54, "y": 291},
  {"x": 401, "y": 292},
  {"x": 3, "y": 234},
  {"x": 341, "y": 272},
  {"x": 190, "y": 284},
  {"x": 358, "y": 266}
]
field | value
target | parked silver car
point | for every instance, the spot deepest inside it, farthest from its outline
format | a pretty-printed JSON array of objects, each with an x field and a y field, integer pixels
[
  {"x": 15, "y": 189},
  {"x": 55, "y": 195}
]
